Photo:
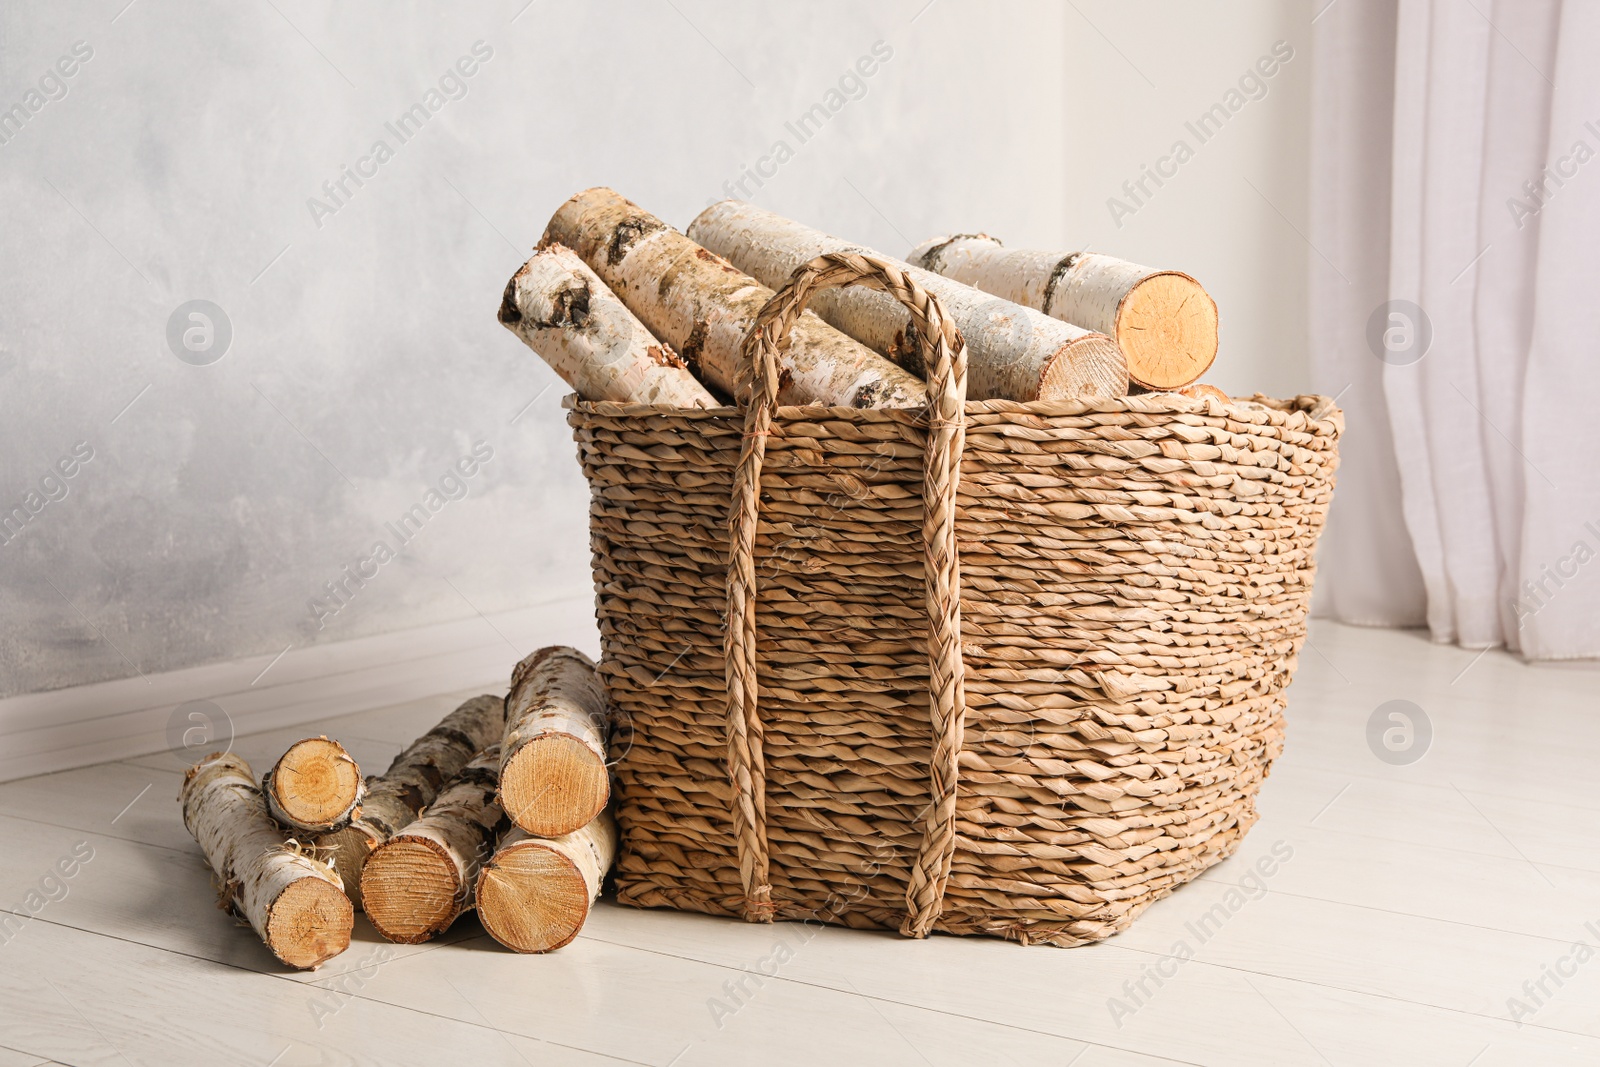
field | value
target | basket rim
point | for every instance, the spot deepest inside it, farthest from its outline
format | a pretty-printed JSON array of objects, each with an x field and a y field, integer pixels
[{"x": 1315, "y": 408}]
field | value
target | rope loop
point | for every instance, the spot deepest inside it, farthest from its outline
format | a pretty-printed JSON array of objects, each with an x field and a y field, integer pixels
[{"x": 943, "y": 352}]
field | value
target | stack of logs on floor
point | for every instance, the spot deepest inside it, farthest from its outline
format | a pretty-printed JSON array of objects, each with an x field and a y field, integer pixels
[
  {"x": 625, "y": 308},
  {"x": 501, "y": 808}
]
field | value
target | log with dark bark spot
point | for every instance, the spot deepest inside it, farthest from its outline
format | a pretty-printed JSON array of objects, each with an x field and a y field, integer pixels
[
  {"x": 1013, "y": 352},
  {"x": 703, "y": 306},
  {"x": 564, "y": 312}
]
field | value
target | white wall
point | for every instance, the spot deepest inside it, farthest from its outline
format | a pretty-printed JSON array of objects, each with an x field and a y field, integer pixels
[
  {"x": 365, "y": 358},
  {"x": 1234, "y": 213}
]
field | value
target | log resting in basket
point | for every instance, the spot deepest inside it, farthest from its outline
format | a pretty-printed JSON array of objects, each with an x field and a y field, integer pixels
[
  {"x": 564, "y": 312},
  {"x": 1164, "y": 321},
  {"x": 698, "y": 303},
  {"x": 1014, "y": 352}
]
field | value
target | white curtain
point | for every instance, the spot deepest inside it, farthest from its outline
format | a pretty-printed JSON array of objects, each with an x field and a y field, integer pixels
[{"x": 1455, "y": 294}]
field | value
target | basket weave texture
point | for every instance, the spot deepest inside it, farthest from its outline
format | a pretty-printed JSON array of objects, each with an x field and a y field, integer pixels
[{"x": 995, "y": 667}]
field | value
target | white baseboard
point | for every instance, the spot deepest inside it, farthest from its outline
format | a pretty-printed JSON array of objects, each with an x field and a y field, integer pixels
[{"x": 89, "y": 724}]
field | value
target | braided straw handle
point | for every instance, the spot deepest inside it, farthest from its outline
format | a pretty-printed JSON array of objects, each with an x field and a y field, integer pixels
[{"x": 943, "y": 352}]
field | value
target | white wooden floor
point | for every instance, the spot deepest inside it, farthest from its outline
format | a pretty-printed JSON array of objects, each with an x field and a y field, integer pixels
[{"x": 1416, "y": 901}]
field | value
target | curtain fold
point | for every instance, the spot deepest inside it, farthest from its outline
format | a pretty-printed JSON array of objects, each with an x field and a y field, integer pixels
[
  {"x": 1454, "y": 275},
  {"x": 1441, "y": 53},
  {"x": 1558, "y": 594},
  {"x": 1368, "y": 572}
]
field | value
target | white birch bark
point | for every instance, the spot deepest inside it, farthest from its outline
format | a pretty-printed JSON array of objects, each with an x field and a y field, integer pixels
[
  {"x": 704, "y": 307},
  {"x": 421, "y": 880},
  {"x": 315, "y": 787},
  {"x": 1164, "y": 321},
  {"x": 295, "y": 903},
  {"x": 575, "y": 323},
  {"x": 553, "y": 774},
  {"x": 1013, "y": 352},
  {"x": 411, "y": 783},
  {"x": 534, "y": 894}
]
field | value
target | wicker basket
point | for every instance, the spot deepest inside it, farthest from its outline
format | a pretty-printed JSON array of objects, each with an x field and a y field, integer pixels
[{"x": 1021, "y": 665}]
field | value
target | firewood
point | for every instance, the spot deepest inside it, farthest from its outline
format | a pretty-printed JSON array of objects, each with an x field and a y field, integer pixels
[
  {"x": 534, "y": 894},
  {"x": 315, "y": 787},
  {"x": 1164, "y": 320},
  {"x": 294, "y": 902},
  {"x": 394, "y": 800},
  {"x": 553, "y": 776},
  {"x": 1013, "y": 352},
  {"x": 565, "y": 313},
  {"x": 421, "y": 880},
  {"x": 703, "y": 307}
]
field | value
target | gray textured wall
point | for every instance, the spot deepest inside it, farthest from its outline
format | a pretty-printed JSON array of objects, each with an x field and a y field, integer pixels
[{"x": 179, "y": 162}]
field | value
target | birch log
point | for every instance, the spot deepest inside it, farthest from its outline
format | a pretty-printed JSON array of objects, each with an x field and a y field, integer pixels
[
  {"x": 315, "y": 787},
  {"x": 1013, "y": 352},
  {"x": 534, "y": 894},
  {"x": 703, "y": 307},
  {"x": 394, "y": 800},
  {"x": 295, "y": 903},
  {"x": 565, "y": 313},
  {"x": 1164, "y": 320},
  {"x": 553, "y": 776},
  {"x": 420, "y": 881}
]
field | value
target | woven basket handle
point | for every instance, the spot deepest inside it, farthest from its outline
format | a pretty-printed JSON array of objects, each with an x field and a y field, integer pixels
[{"x": 943, "y": 352}]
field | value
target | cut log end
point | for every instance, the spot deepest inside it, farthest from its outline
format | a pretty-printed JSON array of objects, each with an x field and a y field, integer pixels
[
  {"x": 410, "y": 891},
  {"x": 554, "y": 784},
  {"x": 309, "y": 923},
  {"x": 531, "y": 898},
  {"x": 1091, "y": 366},
  {"x": 316, "y": 785},
  {"x": 1167, "y": 327}
]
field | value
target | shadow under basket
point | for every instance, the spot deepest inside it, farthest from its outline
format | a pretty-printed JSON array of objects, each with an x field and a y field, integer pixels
[{"x": 1133, "y": 581}]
